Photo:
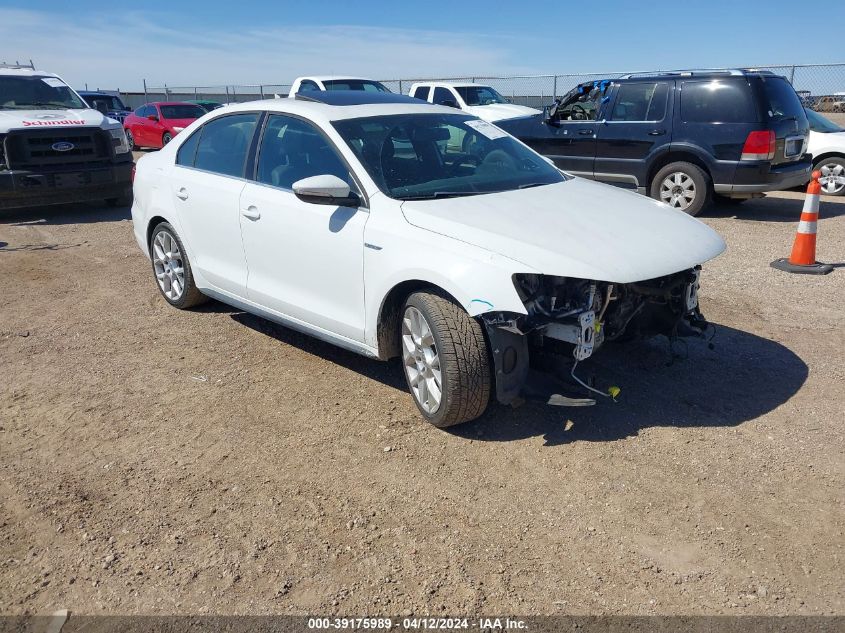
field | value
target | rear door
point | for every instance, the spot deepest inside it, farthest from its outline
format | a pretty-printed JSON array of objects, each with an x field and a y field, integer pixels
[
  {"x": 638, "y": 126},
  {"x": 206, "y": 184}
]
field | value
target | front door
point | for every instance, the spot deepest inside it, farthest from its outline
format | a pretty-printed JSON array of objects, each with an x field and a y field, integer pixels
[
  {"x": 305, "y": 260},
  {"x": 638, "y": 126}
]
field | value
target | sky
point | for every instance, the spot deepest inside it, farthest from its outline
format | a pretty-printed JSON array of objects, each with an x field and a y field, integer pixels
[{"x": 205, "y": 42}]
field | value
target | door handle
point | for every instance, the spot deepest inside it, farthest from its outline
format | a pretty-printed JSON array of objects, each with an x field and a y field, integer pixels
[
  {"x": 657, "y": 132},
  {"x": 182, "y": 194},
  {"x": 251, "y": 213},
  {"x": 585, "y": 132}
]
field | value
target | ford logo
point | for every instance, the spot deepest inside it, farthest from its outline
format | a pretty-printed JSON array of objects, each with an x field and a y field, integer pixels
[{"x": 63, "y": 146}]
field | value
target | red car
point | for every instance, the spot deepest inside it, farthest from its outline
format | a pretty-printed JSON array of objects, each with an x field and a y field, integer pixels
[{"x": 155, "y": 124}]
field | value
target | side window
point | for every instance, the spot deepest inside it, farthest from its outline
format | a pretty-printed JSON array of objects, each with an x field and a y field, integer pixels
[
  {"x": 442, "y": 96},
  {"x": 640, "y": 102},
  {"x": 188, "y": 150},
  {"x": 224, "y": 144},
  {"x": 292, "y": 149},
  {"x": 308, "y": 86},
  {"x": 716, "y": 101},
  {"x": 421, "y": 92},
  {"x": 141, "y": 112}
]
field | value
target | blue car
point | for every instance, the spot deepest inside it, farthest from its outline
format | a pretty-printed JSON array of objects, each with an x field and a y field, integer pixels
[{"x": 108, "y": 104}]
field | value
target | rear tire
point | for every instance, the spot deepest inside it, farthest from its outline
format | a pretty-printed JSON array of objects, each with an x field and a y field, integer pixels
[
  {"x": 172, "y": 269},
  {"x": 683, "y": 186},
  {"x": 439, "y": 339},
  {"x": 833, "y": 175},
  {"x": 166, "y": 138}
]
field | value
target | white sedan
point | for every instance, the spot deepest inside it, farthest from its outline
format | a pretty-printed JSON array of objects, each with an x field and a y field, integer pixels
[
  {"x": 827, "y": 145},
  {"x": 350, "y": 217}
]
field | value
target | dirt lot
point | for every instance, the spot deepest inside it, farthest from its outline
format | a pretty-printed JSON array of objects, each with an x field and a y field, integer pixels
[{"x": 157, "y": 461}]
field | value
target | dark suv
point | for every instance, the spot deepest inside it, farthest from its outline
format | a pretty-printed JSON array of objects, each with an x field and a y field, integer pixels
[{"x": 682, "y": 137}]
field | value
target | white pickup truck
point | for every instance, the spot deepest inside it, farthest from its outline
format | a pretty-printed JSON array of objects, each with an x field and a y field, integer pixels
[
  {"x": 476, "y": 99},
  {"x": 334, "y": 82},
  {"x": 54, "y": 149}
]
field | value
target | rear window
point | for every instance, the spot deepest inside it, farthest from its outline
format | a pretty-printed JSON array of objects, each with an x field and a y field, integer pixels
[
  {"x": 717, "y": 101},
  {"x": 783, "y": 103}
]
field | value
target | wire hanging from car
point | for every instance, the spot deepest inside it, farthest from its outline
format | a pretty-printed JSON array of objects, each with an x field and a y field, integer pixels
[{"x": 612, "y": 392}]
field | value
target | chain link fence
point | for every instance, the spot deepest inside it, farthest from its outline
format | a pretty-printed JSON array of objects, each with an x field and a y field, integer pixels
[{"x": 811, "y": 81}]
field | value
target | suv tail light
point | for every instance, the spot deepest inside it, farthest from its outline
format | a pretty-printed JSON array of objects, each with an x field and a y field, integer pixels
[{"x": 760, "y": 145}]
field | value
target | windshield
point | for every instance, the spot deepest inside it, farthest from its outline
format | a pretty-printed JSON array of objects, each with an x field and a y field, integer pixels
[
  {"x": 355, "y": 84},
  {"x": 111, "y": 102},
  {"x": 479, "y": 95},
  {"x": 181, "y": 111},
  {"x": 783, "y": 102},
  {"x": 418, "y": 156},
  {"x": 820, "y": 124},
  {"x": 37, "y": 93}
]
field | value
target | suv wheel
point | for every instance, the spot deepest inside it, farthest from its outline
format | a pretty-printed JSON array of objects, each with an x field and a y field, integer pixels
[
  {"x": 172, "y": 269},
  {"x": 445, "y": 358},
  {"x": 833, "y": 175},
  {"x": 683, "y": 186}
]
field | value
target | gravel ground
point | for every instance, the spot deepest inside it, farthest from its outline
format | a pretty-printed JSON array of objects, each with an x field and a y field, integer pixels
[{"x": 157, "y": 461}]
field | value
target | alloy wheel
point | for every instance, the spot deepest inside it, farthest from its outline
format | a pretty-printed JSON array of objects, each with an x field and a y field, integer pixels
[
  {"x": 421, "y": 360},
  {"x": 169, "y": 265},
  {"x": 678, "y": 190},
  {"x": 833, "y": 178}
]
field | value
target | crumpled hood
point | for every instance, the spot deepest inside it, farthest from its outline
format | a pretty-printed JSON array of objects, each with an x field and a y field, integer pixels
[
  {"x": 576, "y": 228},
  {"x": 501, "y": 111},
  {"x": 25, "y": 119}
]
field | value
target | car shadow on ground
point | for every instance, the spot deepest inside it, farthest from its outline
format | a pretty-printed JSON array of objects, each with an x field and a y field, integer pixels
[
  {"x": 773, "y": 209},
  {"x": 741, "y": 378},
  {"x": 78, "y": 213}
]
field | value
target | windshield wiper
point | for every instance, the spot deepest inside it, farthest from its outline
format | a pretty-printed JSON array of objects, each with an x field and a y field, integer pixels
[
  {"x": 443, "y": 194},
  {"x": 532, "y": 184}
]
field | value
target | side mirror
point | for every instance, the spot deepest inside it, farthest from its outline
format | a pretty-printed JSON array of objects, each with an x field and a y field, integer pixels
[
  {"x": 550, "y": 113},
  {"x": 326, "y": 189},
  {"x": 152, "y": 117}
]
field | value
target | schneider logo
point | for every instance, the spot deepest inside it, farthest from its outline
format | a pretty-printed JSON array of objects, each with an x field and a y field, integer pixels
[{"x": 63, "y": 146}]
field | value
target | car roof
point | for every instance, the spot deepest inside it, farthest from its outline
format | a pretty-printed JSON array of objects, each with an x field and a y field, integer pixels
[
  {"x": 354, "y": 97},
  {"x": 706, "y": 73},
  {"x": 333, "y": 78},
  {"x": 168, "y": 103},
  {"x": 450, "y": 84},
  {"x": 325, "y": 113},
  {"x": 25, "y": 72}
]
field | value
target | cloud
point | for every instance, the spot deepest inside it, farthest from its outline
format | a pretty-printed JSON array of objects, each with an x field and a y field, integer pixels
[{"x": 120, "y": 50}]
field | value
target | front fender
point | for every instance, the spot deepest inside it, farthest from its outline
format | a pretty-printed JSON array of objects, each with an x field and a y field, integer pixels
[{"x": 479, "y": 280}]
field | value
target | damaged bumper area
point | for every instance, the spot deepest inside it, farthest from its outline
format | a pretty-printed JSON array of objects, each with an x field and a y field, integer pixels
[{"x": 568, "y": 320}]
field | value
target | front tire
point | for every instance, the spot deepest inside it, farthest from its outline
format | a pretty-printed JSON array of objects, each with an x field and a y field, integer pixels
[
  {"x": 683, "y": 186},
  {"x": 833, "y": 175},
  {"x": 130, "y": 139},
  {"x": 172, "y": 269},
  {"x": 445, "y": 359}
]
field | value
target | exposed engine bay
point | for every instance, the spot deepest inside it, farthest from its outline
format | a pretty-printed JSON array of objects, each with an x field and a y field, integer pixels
[{"x": 572, "y": 318}]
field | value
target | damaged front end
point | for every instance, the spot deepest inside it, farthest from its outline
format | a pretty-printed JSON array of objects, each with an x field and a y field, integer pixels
[{"x": 567, "y": 320}]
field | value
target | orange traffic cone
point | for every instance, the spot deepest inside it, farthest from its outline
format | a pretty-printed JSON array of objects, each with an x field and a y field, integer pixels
[{"x": 803, "y": 257}]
